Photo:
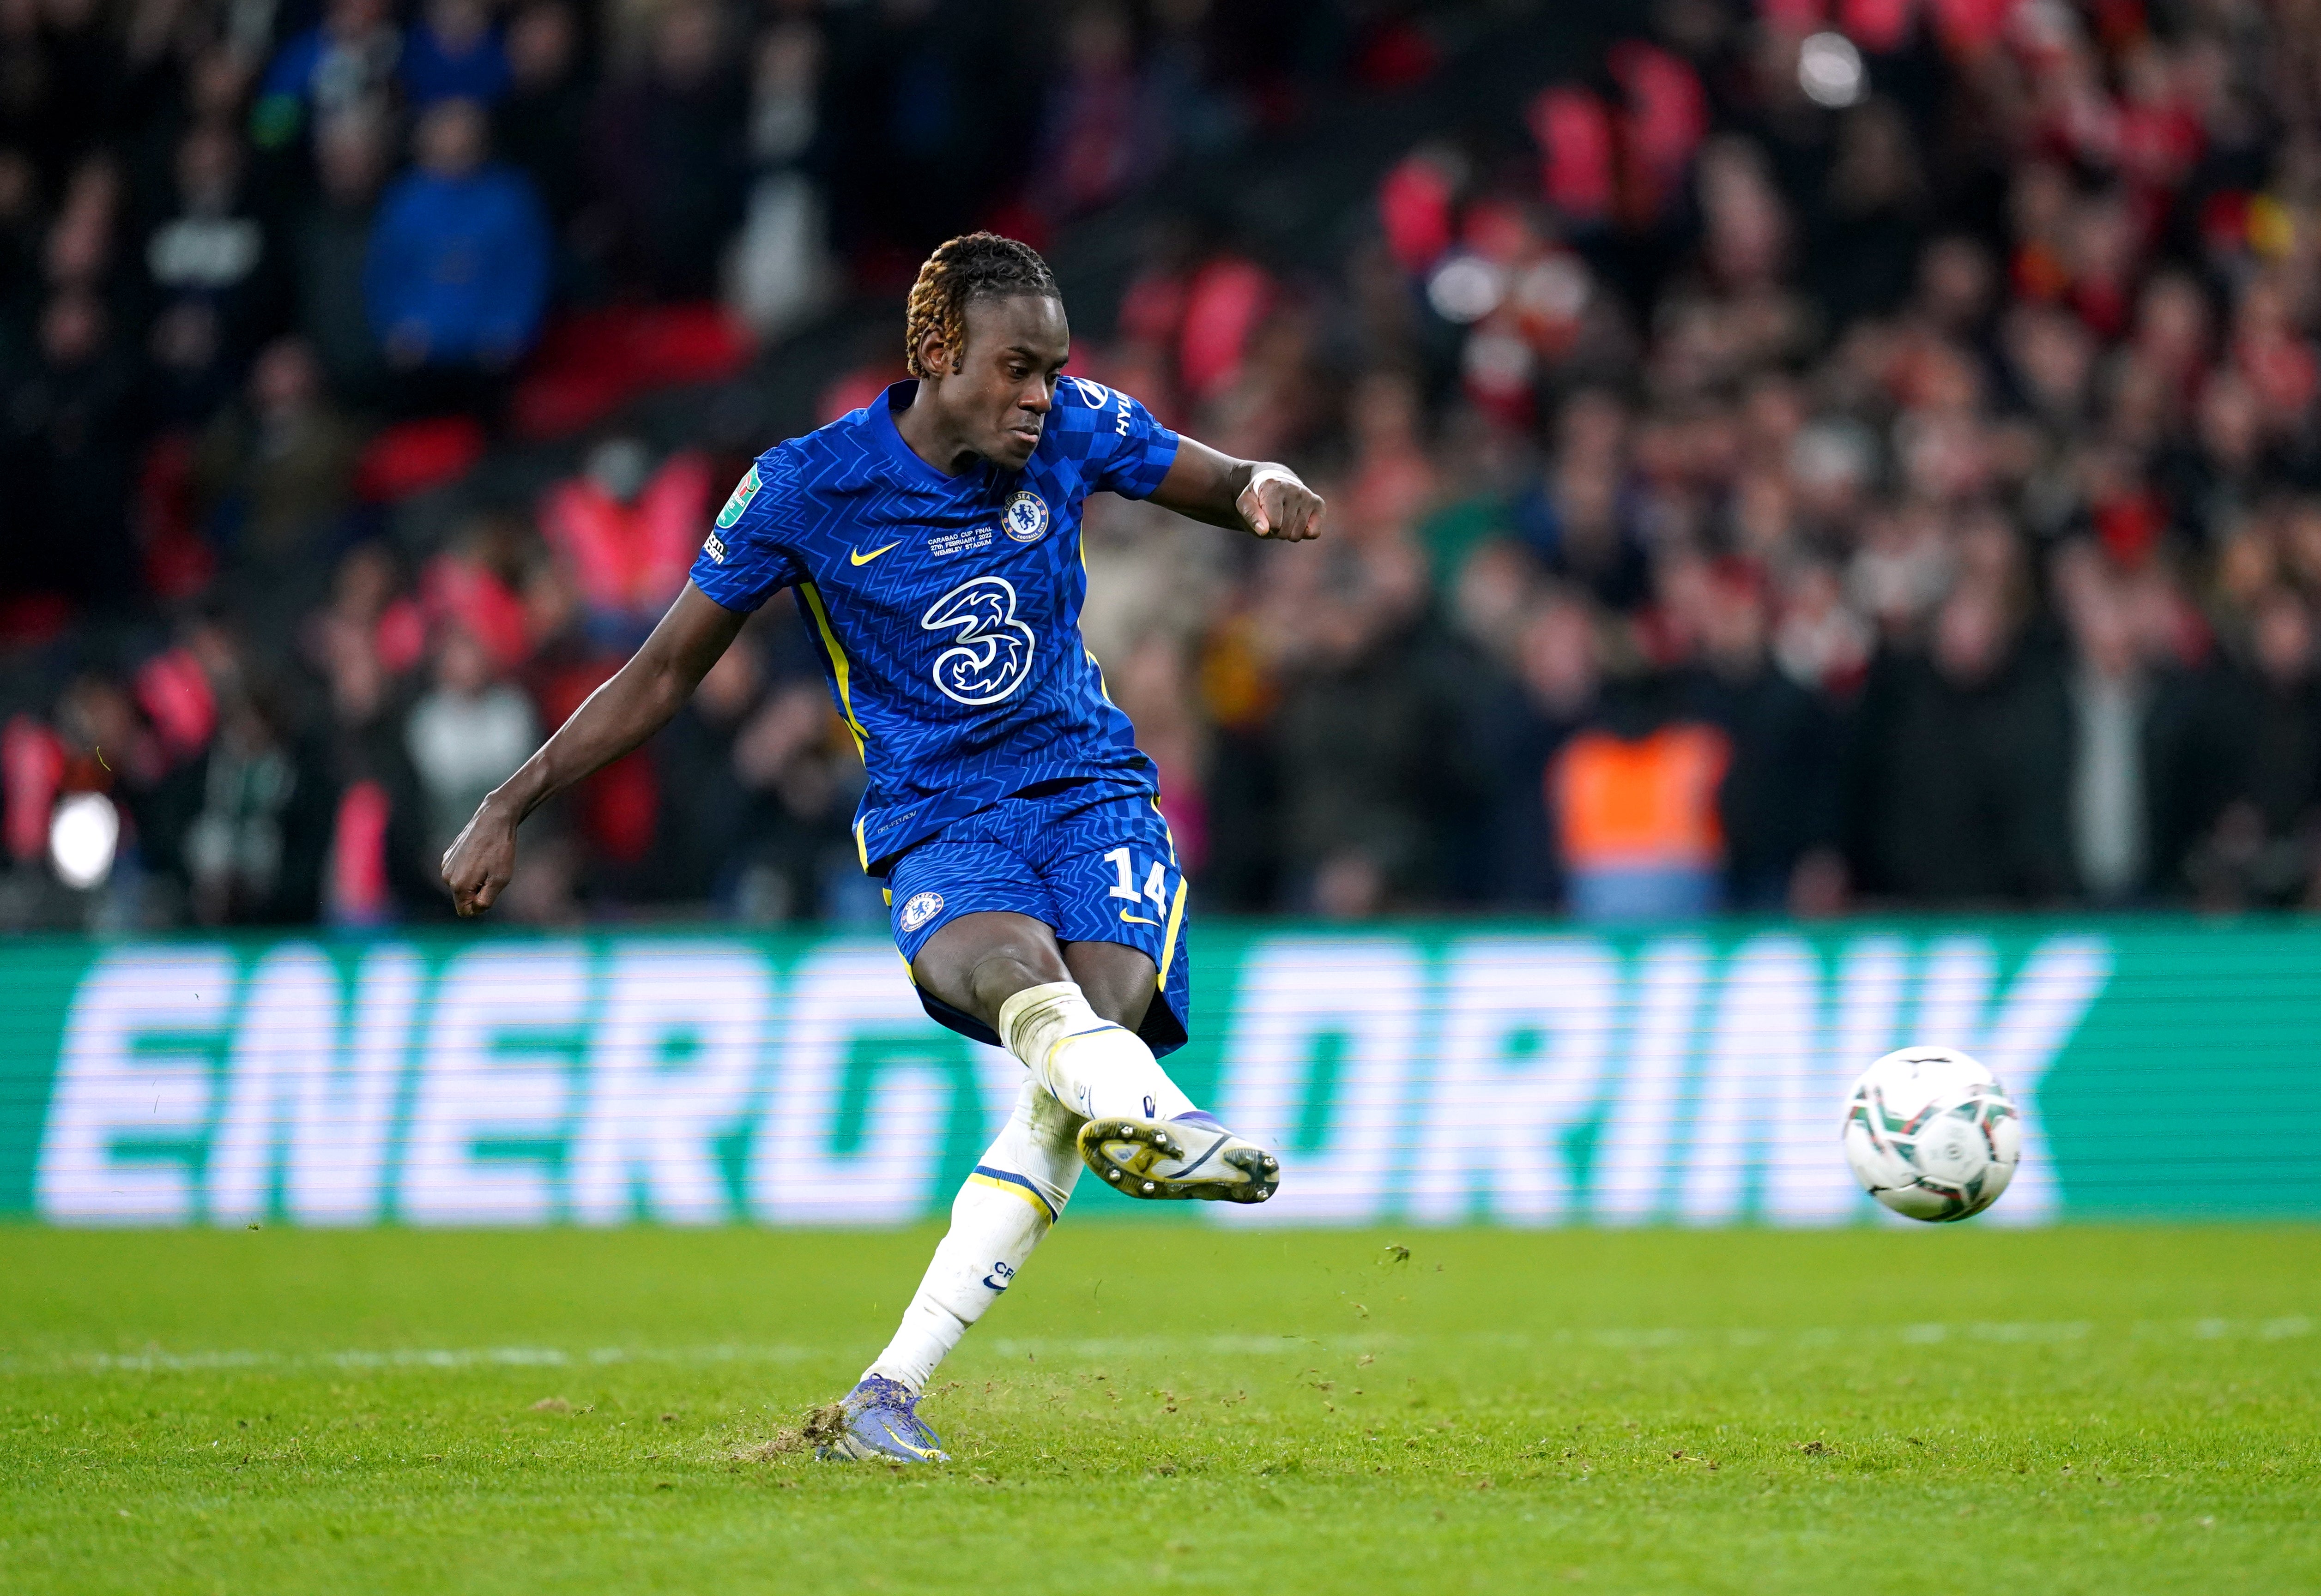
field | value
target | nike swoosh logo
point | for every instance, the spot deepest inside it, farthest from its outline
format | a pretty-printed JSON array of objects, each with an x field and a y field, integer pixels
[
  {"x": 860, "y": 558},
  {"x": 926, "y": 1454},
  {"x": 1135, "y": 919}
]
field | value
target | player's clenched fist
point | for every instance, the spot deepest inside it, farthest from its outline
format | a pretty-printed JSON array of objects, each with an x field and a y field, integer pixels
[
  {"x": 480, "y": 859},
  {"x": 1276, "y": 505}
]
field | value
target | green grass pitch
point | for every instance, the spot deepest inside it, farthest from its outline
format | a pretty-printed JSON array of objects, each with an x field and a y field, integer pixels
[{"x": 1169, "y": 1408}]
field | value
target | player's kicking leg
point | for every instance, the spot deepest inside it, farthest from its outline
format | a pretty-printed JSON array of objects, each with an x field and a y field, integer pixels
[
  {"x": 1097, "y": 1096},
  {"x": 1142, "y": 1136}
]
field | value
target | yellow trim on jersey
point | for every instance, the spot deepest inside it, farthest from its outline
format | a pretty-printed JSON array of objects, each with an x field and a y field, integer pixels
[
  {"x": 1165, "y": 830},
  {"x": 1169, "y": 942},
  {"x": 839, "y": 667},
  {"x": 862, "y": 848}
]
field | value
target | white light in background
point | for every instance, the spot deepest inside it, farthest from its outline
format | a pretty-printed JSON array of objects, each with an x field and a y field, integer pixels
[
  {"x": 1554, "y": 288},
  {"x": 1498, "y": 363},
  {"x": 1829, "y": 70},
  {"x": 83, "y": 834},
  {"x": 1466, "y": 288}
]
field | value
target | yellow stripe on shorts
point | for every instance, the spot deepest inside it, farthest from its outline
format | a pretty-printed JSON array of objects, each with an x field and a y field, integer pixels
[{"x": 1169, "y": 942}]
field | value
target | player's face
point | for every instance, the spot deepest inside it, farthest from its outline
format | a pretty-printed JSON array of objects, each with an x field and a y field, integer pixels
[{"x": 1000, "y": 399}]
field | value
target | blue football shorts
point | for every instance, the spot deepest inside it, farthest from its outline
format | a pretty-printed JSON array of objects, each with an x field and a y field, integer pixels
[{"x": 1092, "y": 863}]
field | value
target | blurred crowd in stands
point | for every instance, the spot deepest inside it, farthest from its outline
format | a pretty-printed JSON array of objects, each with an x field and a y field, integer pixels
[{"x": 1805, "y": 457}]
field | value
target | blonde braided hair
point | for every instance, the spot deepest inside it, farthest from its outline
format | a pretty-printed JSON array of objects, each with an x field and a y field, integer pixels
[{"x": 973, "y": 265}]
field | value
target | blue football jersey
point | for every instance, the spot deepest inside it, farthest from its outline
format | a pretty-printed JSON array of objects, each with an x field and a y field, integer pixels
[{"x": 947, "y": 608}]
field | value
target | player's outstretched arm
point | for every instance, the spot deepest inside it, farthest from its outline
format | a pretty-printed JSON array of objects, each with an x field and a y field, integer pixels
[
  {"x": 635, "y": 704},
  {"x": 1255, "y": 496}
]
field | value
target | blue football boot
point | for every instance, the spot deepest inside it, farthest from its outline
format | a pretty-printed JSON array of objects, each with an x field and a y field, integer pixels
[{"x": 880, "y": 1420}]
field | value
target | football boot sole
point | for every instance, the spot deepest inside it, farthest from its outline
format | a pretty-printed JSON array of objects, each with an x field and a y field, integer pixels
[{"x": 1256, "y": 1173}]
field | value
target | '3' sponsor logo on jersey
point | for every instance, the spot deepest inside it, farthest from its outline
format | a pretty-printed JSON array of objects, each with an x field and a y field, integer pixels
[{"x": 991, "y": 656}]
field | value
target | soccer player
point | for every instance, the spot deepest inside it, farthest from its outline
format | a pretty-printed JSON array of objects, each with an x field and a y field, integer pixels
[{"x": 932, "y": 541}]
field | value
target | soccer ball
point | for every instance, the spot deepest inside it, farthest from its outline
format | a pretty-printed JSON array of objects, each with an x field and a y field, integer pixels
[{"x": 1932, "y": 1134}]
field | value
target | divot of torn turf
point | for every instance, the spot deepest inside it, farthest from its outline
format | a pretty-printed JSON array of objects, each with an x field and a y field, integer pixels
[
  {"x": 825, "y": 1424},
  {"x": 819, "y": 1426},
  {"x": 783, "y": 1443}
]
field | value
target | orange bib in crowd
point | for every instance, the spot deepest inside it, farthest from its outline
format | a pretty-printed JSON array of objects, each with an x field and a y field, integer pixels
[{"x": 1649, "y": 803}]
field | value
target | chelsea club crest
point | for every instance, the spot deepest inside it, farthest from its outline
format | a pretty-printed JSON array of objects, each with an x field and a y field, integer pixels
[
  {"x": 1025, "y": 517},
  {"x": 921, "y": 908}
]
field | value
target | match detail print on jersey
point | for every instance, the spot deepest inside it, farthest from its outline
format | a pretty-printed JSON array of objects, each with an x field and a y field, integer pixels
[{"x": 991, "y": 656}]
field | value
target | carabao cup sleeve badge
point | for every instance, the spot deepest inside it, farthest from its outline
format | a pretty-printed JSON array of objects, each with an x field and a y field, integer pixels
[
  {"x": 1026, "y": 517},
  {"x": 744, "y": 491}
]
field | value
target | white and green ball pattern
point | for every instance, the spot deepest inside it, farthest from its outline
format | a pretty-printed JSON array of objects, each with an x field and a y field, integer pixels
[{"x": 1931, "y": 1134}]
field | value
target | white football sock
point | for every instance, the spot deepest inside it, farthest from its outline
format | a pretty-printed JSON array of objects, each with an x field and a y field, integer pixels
[
  {"x": 1017, "y": 1191},
  {"x": 1098, "y": 1070}
]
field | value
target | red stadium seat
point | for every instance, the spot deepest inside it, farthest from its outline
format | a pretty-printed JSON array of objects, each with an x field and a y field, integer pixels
[
  {"x": 590, "y": 365},
  {"x": 413, "y": 457}
]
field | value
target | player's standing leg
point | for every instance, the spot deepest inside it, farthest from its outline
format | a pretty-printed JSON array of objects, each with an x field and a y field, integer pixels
[
  {"x": 1006, "y": 1207},
  {"x": 1010, "y": 967},
  {"x": 1018, "y": 1190}
]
